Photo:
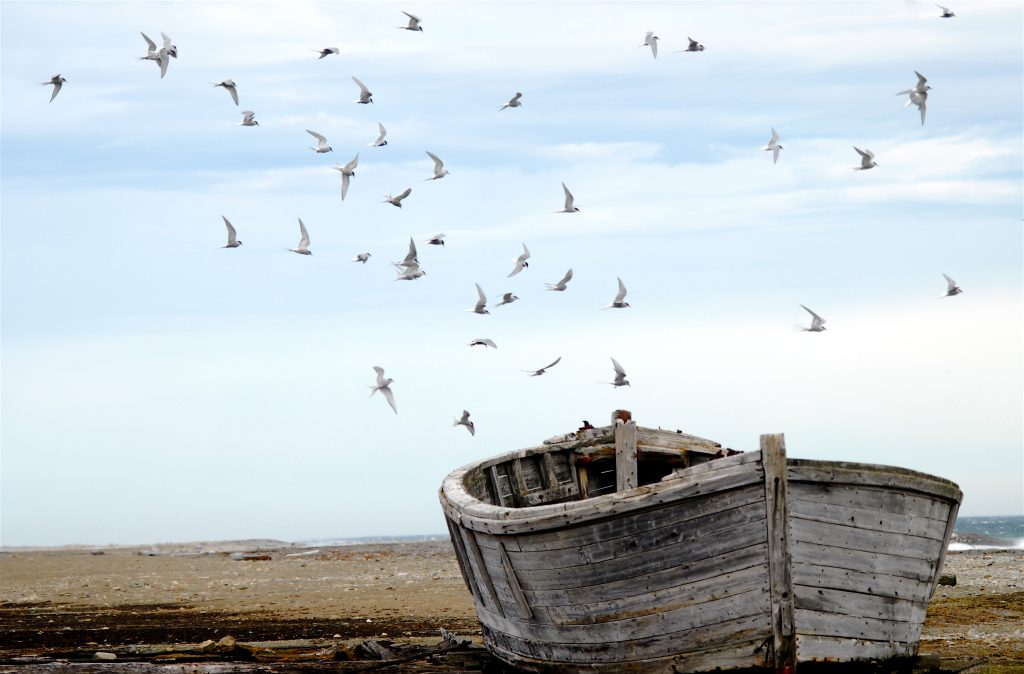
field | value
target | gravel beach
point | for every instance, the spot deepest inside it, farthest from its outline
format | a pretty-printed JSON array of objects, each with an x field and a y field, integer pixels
[{"x": 113, "y": 599}]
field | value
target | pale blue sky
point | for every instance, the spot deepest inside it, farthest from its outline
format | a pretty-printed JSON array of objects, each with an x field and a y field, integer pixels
[{"x": 157, "y": 388}]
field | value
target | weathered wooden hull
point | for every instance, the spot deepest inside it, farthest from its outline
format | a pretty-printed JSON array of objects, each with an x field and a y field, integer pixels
[{"x": 713, "y": 567}]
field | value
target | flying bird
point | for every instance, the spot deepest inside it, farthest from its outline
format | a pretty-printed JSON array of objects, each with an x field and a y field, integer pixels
[
  {"x": 409, "y": 272},
  {"x": 537, "y": 373},
  {"x": 230, "y": 87},
  {"x": 303, "y": 247},
  {"x": 464, "y": 421},
  {"x": 618, "y": 302},
  {"x": 159, "y": 56},
  {"x": 326, "y": 51},
  {"x": 247, "y": 119},
  {"x": 561, "y": 285},
  {"x": 411, "y": 258},
  {"x": 867, "y": 160},
  {"x": 947, "y": 13},
  {"x": 361, "y": 257},
  {"x": 507, "y": 298},
  {"x": 233, "y": 241},
  {"x": 951, "y": 287},
  {"x": 521, "y": 262},
  {"x": 481, "y": 302},
  {"x": 57, "y": 81},
  {"x": 693, "y": 46},
  {"x": 651, "y": 40},
  {"x": 439, "y": 169},
  {"x": 513, "y": 102},
  {"x": 347, "y": 171},
  {"x": 918, "y": 95},
  {"x": 569, "y": 207},
  {"x": 620, "y": 375},
  {"x": 380, "y": 142},
  {"x": 484, "y": 341},
  {"x": 384, "y": 386},
  {"x": 414, "y": 22},
  {"x": 773, "y": 145},
  {"x": 817, "y": 322},
  {"x": 365, "y": 96},
  {"x": 397, "y": 199},
  {"x": 436, "y": 240},
  {"x": 321, "y": 143}
]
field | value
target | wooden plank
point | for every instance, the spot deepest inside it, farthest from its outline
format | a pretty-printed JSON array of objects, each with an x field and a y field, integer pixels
[
  {"x": 857, "y": 538},
  {"x": 835, "y": 649},
  {"x": 502, "y": 488},
  {"x": 861, "y": 605},
  {"x": 636, "y": 566},
  {"x": 460, "y": 556},
  {"x": 891, "y": 477},
  {"x": 859, "y": 560},
  {"x": 871, "y": 498},
  {"x": 518, "y": 480},
  {"x": 776, "y": 493},
  {"x": 480, "y": 573},
  {"x": 829, "y": 624},
  {"x": 517, "y": 591},
  {"x": 647, "y": 543},
  {"x": 677, "y": 575},
  {"x": 707, "y": 615},
  {"x": 625, "y": 456},
  {"x": 950, "y": 522},
  {"x": 662, "y": 599},
  {"x": 747, "y": 632},
  {"x": 641, "y": 522},
  {"x": 811, "y": 576},
  {"x": 878, "y": 520}
]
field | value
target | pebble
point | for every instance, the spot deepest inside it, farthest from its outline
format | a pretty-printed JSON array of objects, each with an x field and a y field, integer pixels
[{"x": 105, "y": 655}]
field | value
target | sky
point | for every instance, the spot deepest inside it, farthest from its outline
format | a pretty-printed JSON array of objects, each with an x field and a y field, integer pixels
[{"x": 157, "y": 387}]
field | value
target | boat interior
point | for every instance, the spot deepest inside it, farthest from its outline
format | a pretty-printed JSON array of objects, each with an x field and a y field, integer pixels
[{"x": 589, "y": 463}]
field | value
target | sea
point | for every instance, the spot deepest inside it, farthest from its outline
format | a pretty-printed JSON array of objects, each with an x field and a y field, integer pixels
[{"x": 1002, "y": 532}]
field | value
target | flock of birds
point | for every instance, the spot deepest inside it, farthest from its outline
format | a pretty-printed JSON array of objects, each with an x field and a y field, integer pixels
[{"x": 409, "y": 268}]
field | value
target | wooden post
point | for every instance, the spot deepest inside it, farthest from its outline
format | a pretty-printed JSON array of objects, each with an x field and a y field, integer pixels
[
  {"x": 780, "y": 562},
  {"x": 625, "y": 455}
]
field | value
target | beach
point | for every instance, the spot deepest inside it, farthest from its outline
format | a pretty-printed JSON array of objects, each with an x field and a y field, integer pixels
[{"x": 135, "y": 602}]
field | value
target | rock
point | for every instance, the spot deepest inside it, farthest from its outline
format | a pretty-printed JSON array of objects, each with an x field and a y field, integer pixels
[
  {"x": 947, "y": 580},
  {"x": 227, "y": 643},
  {"x": 207, "y": 645},
  {"x": 105, "y": 655}
]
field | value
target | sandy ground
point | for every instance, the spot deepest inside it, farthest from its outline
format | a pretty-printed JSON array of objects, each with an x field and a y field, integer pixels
[{"x": 77, "y": 598}]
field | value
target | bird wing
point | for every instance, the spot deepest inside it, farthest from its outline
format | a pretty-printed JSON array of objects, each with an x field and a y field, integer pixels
[
  {"x": 383, "y": 132},
  {"x": 413, "y": 19},
  {"x": 818, "y": 320},
  {"x": 56, "y": 88},
  {"x": 950, "y": 283},
  {"x": 362, "y": 86},
  {"x": 167, "y": 40},
  {"x": 304, "y": 241},
  {"x": 380, "y": 374},
  {"x": 775, "y": 154},
  {"x": 163, "y": 61},
  {"x": 622, "y": 291},
  {"x": 526, "y": 253},
  {"x": 403, "y": 195},
  {"x": 321, "y": 140},
  {"x": 482, "y": 301},
  {"x": 619, "y": 372},
  {"x": 921, "y": 79},
  {"x": 861, "y": 152},
  {"x": 568, "y": 197},
  {"x": 566, "y": 278},
  {"x": 344, "y": 185},
  {"x": 390, "y": 397},
  {"x": 351, "y": 166},
  {"x": 557, "y": 360},
  {"x": 438, "y": 164},
  {"x": 234, "y": 93},
  {"x": 231, "y": 230},
  {"x": 150, "y": 43},
  {"x": 775, "y": 137},
  {"x": 247, "y": 115}
]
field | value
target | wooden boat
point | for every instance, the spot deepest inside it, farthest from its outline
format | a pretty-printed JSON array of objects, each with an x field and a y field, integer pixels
[{"x": 627, "y": 549}]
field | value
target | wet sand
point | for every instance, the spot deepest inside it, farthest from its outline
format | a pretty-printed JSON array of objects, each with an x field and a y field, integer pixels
[{"x": 80, "y": 601}]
